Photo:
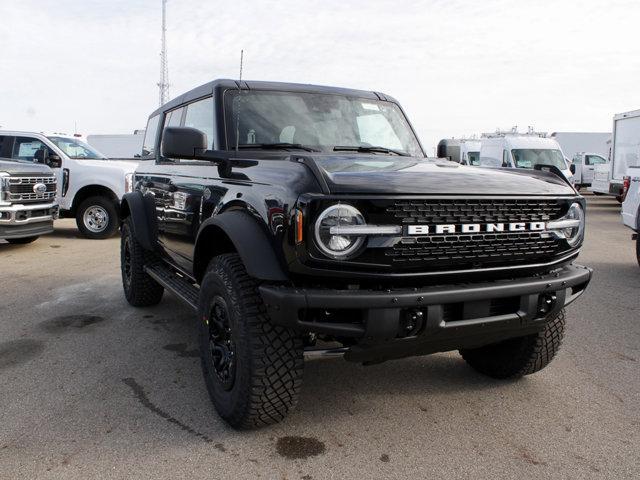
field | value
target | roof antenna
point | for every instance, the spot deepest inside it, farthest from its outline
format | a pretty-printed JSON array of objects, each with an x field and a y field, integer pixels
[{"x": 239, "y": 102}]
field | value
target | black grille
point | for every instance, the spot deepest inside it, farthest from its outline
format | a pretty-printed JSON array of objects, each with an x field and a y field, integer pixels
[
  {"x": 461, "y": 251},
  {"x": 473, "y": 249},
  {"x": 434, "y": 211}
]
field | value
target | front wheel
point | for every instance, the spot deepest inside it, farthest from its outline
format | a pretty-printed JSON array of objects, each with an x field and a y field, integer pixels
[
  {"x": 23, "y": 240},
  {"x": 516, "y": 357},
  {"x": 140, "y": 289},
  {"x": 97, "y": 218},
  {"x": 252, "y": 368}
]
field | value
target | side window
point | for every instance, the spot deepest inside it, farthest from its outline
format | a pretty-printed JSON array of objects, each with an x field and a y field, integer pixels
[
  {"x": 5, "y": 148},
  {"x": 25, "y": 148},
  {"x": 594, "y": 160},
  {"x": 149, "y": 143},
  {"x": 174, "y": 117},
  {"x": 200, "y": 115},
  {"x": 505, "y": 158}
]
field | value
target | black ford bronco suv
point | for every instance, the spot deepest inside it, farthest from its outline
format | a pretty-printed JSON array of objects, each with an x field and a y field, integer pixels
[{"x": 299, "y": 219}]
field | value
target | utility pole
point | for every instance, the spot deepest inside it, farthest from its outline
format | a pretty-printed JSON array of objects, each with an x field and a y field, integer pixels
[{"x": 163, "y": 84}]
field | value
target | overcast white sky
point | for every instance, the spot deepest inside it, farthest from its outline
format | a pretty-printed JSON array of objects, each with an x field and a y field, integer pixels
[{"x": 458, "y": 67}]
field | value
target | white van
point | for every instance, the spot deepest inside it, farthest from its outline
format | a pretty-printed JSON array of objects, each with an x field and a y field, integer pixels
[{"x": 519, "y": 150}]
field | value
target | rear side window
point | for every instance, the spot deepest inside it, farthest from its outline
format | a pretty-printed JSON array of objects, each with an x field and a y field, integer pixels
[
  {"x": 149, "y": 143},
  {"x": 200, "y": 115}
]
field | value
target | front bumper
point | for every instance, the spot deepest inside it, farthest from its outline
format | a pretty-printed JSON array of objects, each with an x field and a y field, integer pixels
[
  {"x": 19, "y": 214},
  {"x": 19, "y": 221},
  {"x": 454, "y": 316}
]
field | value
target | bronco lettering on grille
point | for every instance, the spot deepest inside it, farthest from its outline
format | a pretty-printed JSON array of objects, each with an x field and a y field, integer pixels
[{"x": 476, "y": 228}]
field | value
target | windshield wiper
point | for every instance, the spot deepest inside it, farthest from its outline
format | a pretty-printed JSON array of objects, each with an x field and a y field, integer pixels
[
  {"x": 371, "y": 149},
  {"x": 277, "y": 146}
]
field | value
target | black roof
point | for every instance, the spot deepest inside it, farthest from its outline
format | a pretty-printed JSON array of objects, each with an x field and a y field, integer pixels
[{"x": 207, "y": 89}]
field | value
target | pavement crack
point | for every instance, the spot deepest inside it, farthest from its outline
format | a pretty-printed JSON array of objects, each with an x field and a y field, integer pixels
[{"x": 142, "y": 397}]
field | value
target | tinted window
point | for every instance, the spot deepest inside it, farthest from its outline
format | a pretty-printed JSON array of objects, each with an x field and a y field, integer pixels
[
  {"x": 25, "y": 148},
  {"x": 318, "y": 121},
  {"x": 4, "y": 144},
  {"x": 200, "y": 115},
  {"x": 473, "y": 158},
  {"x": 173, "y": 118},
  {"x": 149, "y": 143}
]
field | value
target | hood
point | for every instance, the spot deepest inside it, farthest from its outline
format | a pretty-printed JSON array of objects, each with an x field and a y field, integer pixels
[
  {"x": 21, "y": 168},
  {"x": 125, "y": 166},
  {"x": 402, "y": 175}
]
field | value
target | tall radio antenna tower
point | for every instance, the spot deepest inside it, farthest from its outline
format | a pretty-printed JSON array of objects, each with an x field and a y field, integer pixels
[{"x": 163, "y": 84}]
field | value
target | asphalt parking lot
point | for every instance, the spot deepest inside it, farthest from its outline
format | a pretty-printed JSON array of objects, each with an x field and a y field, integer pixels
[{"x": 93, "y": 388}]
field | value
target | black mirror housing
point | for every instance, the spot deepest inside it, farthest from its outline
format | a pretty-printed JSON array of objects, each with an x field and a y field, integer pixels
[
  {"x": 183, "y": 142},
  {"x": 54, "y": 161},
  {"x": 572, "y": 167}
]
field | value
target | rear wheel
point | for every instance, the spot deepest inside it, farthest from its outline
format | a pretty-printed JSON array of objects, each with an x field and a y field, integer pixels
[
  {"x": 520, "y": 356},
  {"x": 252, "y": 368},
  {"x": 97, "y": 217},
  {"x": 140, "y": 289},
  {"x": 22, "y": 241}
]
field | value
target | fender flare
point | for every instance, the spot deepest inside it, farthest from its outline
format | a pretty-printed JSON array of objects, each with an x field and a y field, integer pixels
[
  {"x": 249, "y": 240},
  {"x": 142, "y": 211}
]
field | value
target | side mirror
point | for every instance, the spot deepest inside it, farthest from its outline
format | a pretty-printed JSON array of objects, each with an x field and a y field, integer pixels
[
  {"x": 54, "y": 161},
  {"x": 183, "y": 142},
  {"x": 41, "y": 156},
  {"x": 573, "y": 168}
]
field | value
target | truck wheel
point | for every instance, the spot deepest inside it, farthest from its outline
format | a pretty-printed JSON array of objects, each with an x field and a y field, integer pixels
[
  {"x": 252, "y": 368},
  {"x": 23, "y": 240},
  {"x": 97, "y": 218},
  {"x": 140, "y": 289},
  {"x": 520, "y": 356}
]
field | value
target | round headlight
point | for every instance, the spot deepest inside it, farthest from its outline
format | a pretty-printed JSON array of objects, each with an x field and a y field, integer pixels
[
  {"x": 338, "y": 246},
  {"x": 574, "y": 234}
]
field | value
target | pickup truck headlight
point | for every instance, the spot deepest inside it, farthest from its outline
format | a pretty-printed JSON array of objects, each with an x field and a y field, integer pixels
[
  {"x": 338, "y": 244},
  {"x": 571, "y": 226}
]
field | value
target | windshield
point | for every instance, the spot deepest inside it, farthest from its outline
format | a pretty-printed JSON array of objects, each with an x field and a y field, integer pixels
[
  {"x": 318, "y": 121},
  {"x": 74, "y": 148},
  {"x": 529, "y": 157}
]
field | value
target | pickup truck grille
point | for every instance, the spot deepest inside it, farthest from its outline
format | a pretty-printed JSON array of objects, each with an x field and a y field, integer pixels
[{"x": 21, "y": 189}]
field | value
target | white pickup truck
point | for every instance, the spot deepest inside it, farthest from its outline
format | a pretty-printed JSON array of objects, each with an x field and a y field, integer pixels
[
  {"x": 631, "y": 205},
  {"x": 90, "y": 186},
  {"x": 583, "y": 166}
]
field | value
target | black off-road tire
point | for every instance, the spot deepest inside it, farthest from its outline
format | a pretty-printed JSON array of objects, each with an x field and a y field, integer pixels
[
  {"x": 111, "y": 210},
  {"x": 267, "y": 360},
  {"x": 140, "y": 289},
  {"x": 516, "y": 357},
  {"x": 23, "y": 240}
]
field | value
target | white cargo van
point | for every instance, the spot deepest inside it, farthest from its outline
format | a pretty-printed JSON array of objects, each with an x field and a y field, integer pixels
[
  {"x": 625, "y": 153},
  {"x": 522, "y": 150}
]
